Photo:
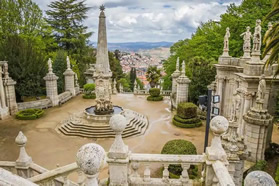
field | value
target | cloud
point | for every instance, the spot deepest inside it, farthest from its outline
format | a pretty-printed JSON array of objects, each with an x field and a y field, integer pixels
[{"x": 156, "y": 20}]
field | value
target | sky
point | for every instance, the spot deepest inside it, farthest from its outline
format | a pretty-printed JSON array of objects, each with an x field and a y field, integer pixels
[{"x": 151, "y": 20}]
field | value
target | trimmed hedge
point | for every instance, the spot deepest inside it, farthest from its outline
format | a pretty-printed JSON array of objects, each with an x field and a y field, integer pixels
[
  {"x": 29, "y": 114},
  {"x": 89, "y": 87},
  {"x": 89, "y": 96},
  {"x": 152, "y": 98},
  {"x": 187, "y": 125},
  {"x": 155, "y": 92},
  {"x": 182, "y": 147},
  {"x": 187, "y": 110}
]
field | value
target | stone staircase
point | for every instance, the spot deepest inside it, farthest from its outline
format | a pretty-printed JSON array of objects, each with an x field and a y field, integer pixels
[{"x": 78, "y": 127}]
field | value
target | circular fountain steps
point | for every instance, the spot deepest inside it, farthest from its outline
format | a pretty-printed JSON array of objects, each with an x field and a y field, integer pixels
[{"x": 75, "y": 127}]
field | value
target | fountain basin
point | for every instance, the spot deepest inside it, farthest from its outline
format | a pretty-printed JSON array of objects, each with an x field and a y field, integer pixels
[{"x": 100, "y": 119}]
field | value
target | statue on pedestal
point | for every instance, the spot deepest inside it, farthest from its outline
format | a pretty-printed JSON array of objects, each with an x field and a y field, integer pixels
[
  {"x": 49, "y": 62},
  {"x": 226, "y": 42},
  {"x": 247, "y": 41},
  {"x": 257, "y": 39}
]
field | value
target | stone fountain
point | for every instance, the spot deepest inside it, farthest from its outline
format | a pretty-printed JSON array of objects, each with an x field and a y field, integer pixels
[{"x": 94, "y": 121}]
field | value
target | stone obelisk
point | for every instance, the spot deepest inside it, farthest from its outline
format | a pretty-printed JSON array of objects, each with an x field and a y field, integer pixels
[{"x": 102, "y": 75}]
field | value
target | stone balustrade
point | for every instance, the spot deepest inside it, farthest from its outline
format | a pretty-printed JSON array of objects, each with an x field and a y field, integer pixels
[
  {"x": 146, "y": 92},
  {"x": 38, "y": 104},
  {"x": 165, "y": 160},
  {"x": 126, "y": 168}
]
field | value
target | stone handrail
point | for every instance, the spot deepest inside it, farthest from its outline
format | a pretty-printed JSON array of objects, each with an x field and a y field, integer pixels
[
  {"x": 222, "y": 174},
  {"x": 8, "y": 179},
  {"x": 39, "y": 104},
  {"x": 165, "y": 158},
  {"x": 55, "y": 173}
]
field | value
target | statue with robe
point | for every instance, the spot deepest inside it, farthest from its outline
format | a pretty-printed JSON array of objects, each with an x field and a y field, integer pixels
[
  {"x": 257, "y": 38},
  {"x": 235, "y": 107},
  {"x": 247, "y": 39}
]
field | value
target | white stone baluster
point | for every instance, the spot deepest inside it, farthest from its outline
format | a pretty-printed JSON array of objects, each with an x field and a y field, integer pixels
[
  {"x": 135, "y": 167},
  {"x": 146, "y": 174},
  {"x": 184, "y": 175},
  {"x": 166, "y": 173},
  {"x": 66, "y": 180},
  {"x": 80, "y": 177},
  {"x": 90, "y": 159}
]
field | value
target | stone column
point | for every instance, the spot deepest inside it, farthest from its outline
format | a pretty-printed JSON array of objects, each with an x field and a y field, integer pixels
[
  {"x": 235, "y": 149},
  {"x": 69, "y": 76},
  {"x": 51, "y": 85},
  {"x": 118, "y": 158},
  {"x": 23, "y": 162},
  {"x": 174, "y": 77},
  {"x": 256, "y": 122},
  {"x": 182, "y": 86},
  {"x": 4, "y": 111},
  {"x": 220, "y": 84},
  {"x": 246, "y": 107},
  {"x": 77, "y": 90},
  {"x": 9, "y": 85},
  {"x": 90, "y": 159}
]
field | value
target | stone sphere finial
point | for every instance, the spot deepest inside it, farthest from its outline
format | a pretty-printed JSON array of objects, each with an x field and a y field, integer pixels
[
  {"x": 21, "y": 139},
  {"x": 259, "y": 178},
  {"x": 219, "y": 125},
  {"x": 118, "y": 123},
  {"x": 90, "y": 158}
]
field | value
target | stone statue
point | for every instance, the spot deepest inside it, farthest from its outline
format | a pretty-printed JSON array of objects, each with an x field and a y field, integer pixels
[
  {"x": 49, "y": 65},
  {"x": 68, "y": 63},
  {"x": 266, "y": 35},
  {"x": 235, "y": 107},
  {"x": 177, "y": 64},
  {"x": 257, "y": 39},
  {"x": 226, "y": 39},
  {"x": 247, "y": 40},
  {"x": 5, "y": 71},
  {"x": 261, "y": 89}
]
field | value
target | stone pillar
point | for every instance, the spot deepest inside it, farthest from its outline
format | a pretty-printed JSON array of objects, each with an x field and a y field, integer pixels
[
  {"x": 90, "y": 159},
  {"x": 246, "y": 107},
  {"x": 182, "y": 86},
  {"x": 174, "y": 77},
  {"x": 9, "y": 85},
  {"x": 69, "y": 76},
  {"x": 235, "y": 149},
  {"x": 220, "y": 84},
  {"x": 114, "y": 87},
  {"x": 77, "y": 90},
  {"x": 23, "y": 162},
  {"x": 118, "y": 158},
  {"x": 215, "y": 152},
  {"x": 51, "y": 85},
  {"x": 4, "y": 111},
  {"x": 257, "y": 122}
]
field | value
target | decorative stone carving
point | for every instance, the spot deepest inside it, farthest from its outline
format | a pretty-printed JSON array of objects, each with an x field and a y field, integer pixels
[
  {"x": 261, "y": 92},
  {"x": 226, "y": 43},
  {"x": 23, "y": 160},
  {"x": 247, "y": 42},
  {"x": 182, "y": 86},
  {"x": 49, "y": 62},
  {"x": 236, "y": 106},
  {"x": 90, "y": 159},
  {"x": 259, "y": 178}
]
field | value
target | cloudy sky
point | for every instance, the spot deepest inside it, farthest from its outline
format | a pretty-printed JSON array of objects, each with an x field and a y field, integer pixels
[{"x": 151, "y": 20}]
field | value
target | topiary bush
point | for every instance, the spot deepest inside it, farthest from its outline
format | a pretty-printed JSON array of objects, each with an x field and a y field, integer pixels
[
  {"x": 180, "y": 147},
  {"x": 155, "y": 95},
  {"x": 155, "y": 92},
  {"x": 88, "y": 91},
  {"x": 29, "y": 114},
  {"x": 187, "y": 110},
  {"x": 187, "y": 116}
]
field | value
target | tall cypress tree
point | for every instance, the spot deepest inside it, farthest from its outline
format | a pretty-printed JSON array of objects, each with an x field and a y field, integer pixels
[
  {"x": 66, "y": 17},
  {"x": 133, "y": 76}
]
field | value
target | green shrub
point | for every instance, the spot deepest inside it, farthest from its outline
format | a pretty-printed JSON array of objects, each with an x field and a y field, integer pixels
[
  {"x": 186, "y": 121},
  {"x": 29, "y": 114},
  {"x": 277, "y": 174},
  {"x": 187, "y": 110},
  {"x": 158, "y": 98},
  {"x": 182, "y": 147},
  {"x": 89, "y": 96},
  {"x": 187, "y": 125},
  {"x": 155, "y": 92},
  {"x": 88, "y": 88}
]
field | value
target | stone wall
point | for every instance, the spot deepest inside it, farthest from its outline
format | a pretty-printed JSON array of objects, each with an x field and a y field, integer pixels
[{"x": 39, "y": 104}]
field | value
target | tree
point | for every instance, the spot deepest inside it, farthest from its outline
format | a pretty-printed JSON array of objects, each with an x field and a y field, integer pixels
[
  {"x": 66, "y": 18},
  {"x": 25, "y": 42},
  {"x": 59, "y": 67},
  {"x": 133, "y": 76},
  {"x": 153, "y": 75},
  {"x": 115, "y": 67},
  {"x": 272, "y": 38}
]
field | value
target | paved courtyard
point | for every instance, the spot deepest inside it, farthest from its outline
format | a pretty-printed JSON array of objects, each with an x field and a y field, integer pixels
[{"x": 49, "y": 148}]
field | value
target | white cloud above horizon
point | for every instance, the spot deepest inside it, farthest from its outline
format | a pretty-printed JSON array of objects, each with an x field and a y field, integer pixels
[{"x": 143, "y": 20}]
